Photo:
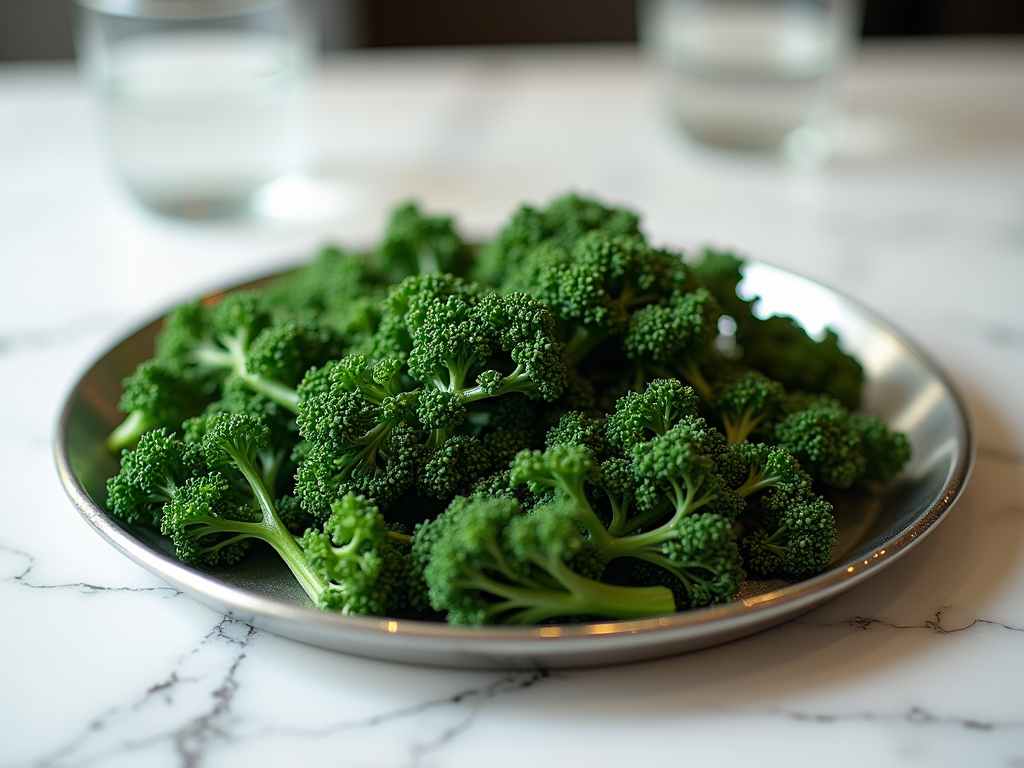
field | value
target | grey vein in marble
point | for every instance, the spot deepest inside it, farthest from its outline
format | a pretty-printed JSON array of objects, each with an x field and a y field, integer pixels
[
  {"x": 934, "y": 625},
  {"x": 210, "y": 672},
  {"x": 913, "y": 716},
  {"x": 203, "y": 671},
  {"x": 20, "y": 577},
  {"x": 474, "y": 699}
]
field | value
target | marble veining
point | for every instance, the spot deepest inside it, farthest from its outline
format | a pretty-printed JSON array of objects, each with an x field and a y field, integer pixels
[
  {"x": 166, "y": 712},
  {"x": 913, "y": 716},
  {"x": 935, "y": 624},
  {"x": 21, "y": 567}
]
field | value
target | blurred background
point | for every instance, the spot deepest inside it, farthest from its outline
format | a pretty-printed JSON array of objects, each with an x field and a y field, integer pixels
[{"x": 42, "y": 29}]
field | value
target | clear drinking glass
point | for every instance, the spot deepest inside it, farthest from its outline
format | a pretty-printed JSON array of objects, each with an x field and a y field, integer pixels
[
  {"x": 755, "y": 74},
  {"x": 203, "y": 102}
]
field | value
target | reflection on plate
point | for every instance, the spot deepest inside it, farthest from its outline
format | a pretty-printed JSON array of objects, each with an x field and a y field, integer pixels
[{"x": 876, "y": 526}]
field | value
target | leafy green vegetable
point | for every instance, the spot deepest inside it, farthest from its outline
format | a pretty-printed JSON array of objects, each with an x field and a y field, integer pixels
[{"x": 596, "y": 429}]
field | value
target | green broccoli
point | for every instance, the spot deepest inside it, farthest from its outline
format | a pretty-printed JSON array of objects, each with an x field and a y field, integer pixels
[
  {"x": 749, "y": 403},
  {"x": 559, "y": 225},
  {"x": 677, "y": 496},
  {"x": 796, "y": 530},
  {"x": 484, "y": 562},
  {"x": 415, "y": 244},
  {"x": 838, "y": 447},
  {"x": 155, "y": 396},
  {"x": 366, "y": 564},
  {"x": 330, "y": 413}
]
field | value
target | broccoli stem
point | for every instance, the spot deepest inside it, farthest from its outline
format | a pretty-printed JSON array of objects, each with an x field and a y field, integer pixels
[
  {"x": 737, "y": 429},
  {"x": 582, "y": 596},
  {"x": 517, "y": 381},
  {"x": 582, "y": 343},
  {"x": 692, "y": 373},
  {"x": 281, "y": 394},
  {"x": 230, "y": 357},
  {"x": 129, "y": 431},
  {"x": 677, "y": 569},
  {"x": 757, "y": 481},
  {"x": 273, "y": 531},
  {"x": 686, "y": 503}
]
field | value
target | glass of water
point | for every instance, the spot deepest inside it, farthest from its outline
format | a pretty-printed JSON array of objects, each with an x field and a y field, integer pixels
[
  {"x": 202, "y": 102},
  {"x": 755, "y": 74}
]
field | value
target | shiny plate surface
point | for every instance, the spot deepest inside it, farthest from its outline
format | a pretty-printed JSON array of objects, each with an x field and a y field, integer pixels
[{"x": 875, "y": 526}]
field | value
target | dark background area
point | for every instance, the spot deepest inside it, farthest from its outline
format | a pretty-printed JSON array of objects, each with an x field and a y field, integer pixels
[{"x": 42, "y": 29}]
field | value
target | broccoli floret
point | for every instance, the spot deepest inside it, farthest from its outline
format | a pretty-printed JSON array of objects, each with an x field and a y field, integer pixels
[
  {"x": 673, "y": 338},
  {"x": 338, "y": 288},
  {"x": 460, "y": 350},
  {"x": 797, "y": 538},
  {"x": 781, "y": 349},
  {"x": 578, "y": 428},
  {"x": 415, "y": 244},
  {"x": 486, "y": 562},
  {"x": 748, "y": 403},
  {"x": 839, "y": 447},
  {"x": 674, "y": 479},
  {"x": 155, "y": 396},
  {"x": 639, "y": 416},
  {"x": 795, "y": 531},
  {"x": 357, "y": 442},
  {"x": 886, "y": 451},
  {"x": 202, "y": 350},
  {"x": 559, "y": 225},
  {"x": 209, "y": 525},
  {"x": 209, "y": 498},
  {"x": 151, "y": 475},
  {"x": 366, "y": 565},
  {"x": 778, "y": 346}
]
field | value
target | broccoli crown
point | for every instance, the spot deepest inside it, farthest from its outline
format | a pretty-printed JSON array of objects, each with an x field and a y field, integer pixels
[
  {"x": 453, "y": 468},
  {"x": 705, "y": 558},
  {"x": 675, "y": 333},
  {"x": 366, "y": 566},
  {"x": 781, "y": 349},
  {"x": 797, "y": 539},
  {"x": 287, "y": 349},
  {"x": 650, "y": 496},
  {"x": 155, "y": 395},
  {"x": 486, "y": 562},
  {"x": 415, "y": 244},
  {"x": 563, "y": 222},
  {"x": 562, "y": 467},
  {"x": 150, "y": 476},
  {"x": 205, "y": 526},
  {"x": 762, "y": 467},
  {"x": 405, "y": 307},
  {"x": 680, "y": 468},
  {"x": 825, "y": 443},
  {"x": 638, "y": 416},
  {"x": 748, "y": 403},
  {"x": 578, "y": 428},
  {"x": 885, "y": 451}
]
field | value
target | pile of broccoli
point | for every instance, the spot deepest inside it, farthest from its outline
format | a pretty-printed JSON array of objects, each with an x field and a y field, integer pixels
[{"x": 564, "y": 424}]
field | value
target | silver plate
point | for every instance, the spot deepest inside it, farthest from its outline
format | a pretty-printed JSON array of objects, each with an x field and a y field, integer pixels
[{"x": 877, "y": 525}]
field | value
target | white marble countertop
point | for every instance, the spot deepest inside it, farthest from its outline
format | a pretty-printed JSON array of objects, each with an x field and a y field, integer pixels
[{"x": 920, "y": 217}]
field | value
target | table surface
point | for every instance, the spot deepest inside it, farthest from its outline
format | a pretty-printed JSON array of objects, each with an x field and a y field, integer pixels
[{"x": 920, "y": 217}]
